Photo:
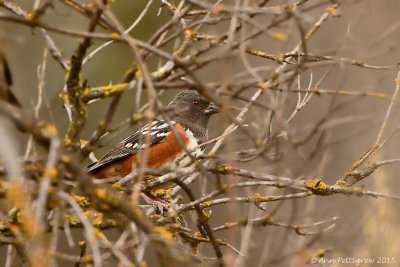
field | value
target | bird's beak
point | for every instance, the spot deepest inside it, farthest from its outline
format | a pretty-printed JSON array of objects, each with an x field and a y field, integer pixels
[{"x": 211, "y": 109}]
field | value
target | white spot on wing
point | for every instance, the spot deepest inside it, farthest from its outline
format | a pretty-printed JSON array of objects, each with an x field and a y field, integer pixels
[
  {"x": 162, "y": 134},
  {"x": 135, "y": 145},
  {"x": 128, "y": 145},
  {"x": 164, "y": 125}
]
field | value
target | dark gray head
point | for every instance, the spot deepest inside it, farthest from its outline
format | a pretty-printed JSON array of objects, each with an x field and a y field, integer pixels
[{"x": 193, "y": 111}]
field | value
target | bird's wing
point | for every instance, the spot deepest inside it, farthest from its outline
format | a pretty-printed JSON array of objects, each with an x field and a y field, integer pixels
[{"x": 159, "y": 129}]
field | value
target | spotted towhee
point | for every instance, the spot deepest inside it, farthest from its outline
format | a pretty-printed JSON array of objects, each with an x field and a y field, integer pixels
[{"x": 188, "y": 113}]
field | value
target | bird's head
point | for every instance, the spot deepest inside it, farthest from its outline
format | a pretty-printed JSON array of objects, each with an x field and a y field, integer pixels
[{"x": 192, "y": 110}]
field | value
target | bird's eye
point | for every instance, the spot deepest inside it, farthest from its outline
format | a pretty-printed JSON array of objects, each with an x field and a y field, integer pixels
[{"x": 195, "y": 102}]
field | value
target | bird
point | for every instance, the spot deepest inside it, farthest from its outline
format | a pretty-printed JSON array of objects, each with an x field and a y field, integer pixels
[{"x": 188, "y": 113}]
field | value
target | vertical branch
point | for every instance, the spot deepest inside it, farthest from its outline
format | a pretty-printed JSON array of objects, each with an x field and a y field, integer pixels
[
  {"x": 203, "y": 221},
  {"x": 75, "y": 88}
]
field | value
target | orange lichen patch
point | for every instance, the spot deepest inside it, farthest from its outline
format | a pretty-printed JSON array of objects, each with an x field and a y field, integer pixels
[
  {"x": 217, "y": 10},
  {"x": 321, "y": 185},
  {"x": 257, "y": 196},
  {"x": 96, "y": 218},
  {"x": 206, "y": 204},
  {"x": 188, "y": 33},
  {"x": 299, "y": 230},
  {"x": 168, "y": 193},
  {"x": 164, "y": 232},
  {"x": 87, "y": 259},
  {"x": 43, "y": 128},
  {"x": 281, "y": 184},
  {"x": 341, "y": 182},
  {"x": 138, "y": 74},
  {"x": 397, "y": 81},
  {"x": 30, "y": 17},
  {"x": 51, "y": 129},
  {"x": 83, "y": 142},
  {"x": 114, "y": 36},
  {"x": 223, "y": 187},
  {"x": 117, "y": 186},
  {"x": 332, "y": 10},
  {"x": 279, "y": 36},
  {"x": 317, "y": 187},
  {"x": 207, "y": 215},
  {"x": 72, "y": 219},
  {"x": 101, "y": 124},
  {"x": 155, "y": 216},
  {"x": 51, "y": 172},
  {"x": 197, "y": 235},
  {"x": 316, "y": 90},
  {"x": 179, "y": 197},
  {"x": 262, "y": 85},
  {"x": 289, "y": 10},
  {"x": 137, "y": 116},
  {"x": 66, "y": 159},
  {"x": 163, "y": 193},
  {"x": 67, "y": 140},
  {"x": 355, "y": 165},
  {"x": 380, "y": 95},
  {"x": 226, "y": 169},
  {"x": 101, "y": 193},
  {"x": 159, "y": 193},
  {"x": 267, "y": 219},
  {"x": 16, "y": 194},
  {"x": 82, "y": 201},
  {"x": 231, "y": 107},
  {"x": 258, "y": 142},
  {"x": 29, "y": 225},
  {"x": 111, "y": 89},
  {"x": 309, "y": 184},
  {"x": 359, "y": 191}
]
